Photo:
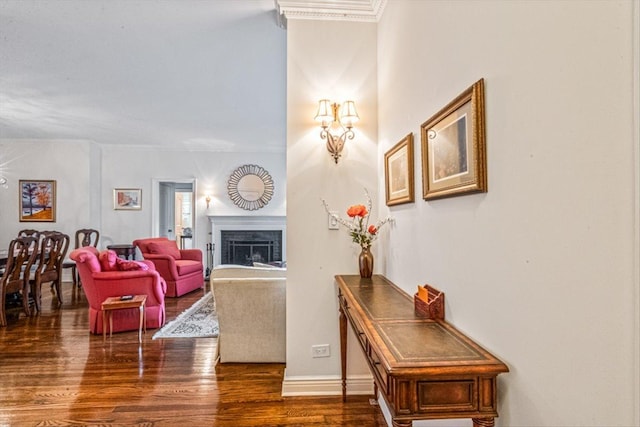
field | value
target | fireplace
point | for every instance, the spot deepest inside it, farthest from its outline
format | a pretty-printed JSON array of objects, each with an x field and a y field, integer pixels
[
  {"x": 248, "y": 238},
  {"x": 244, "y": 247}
]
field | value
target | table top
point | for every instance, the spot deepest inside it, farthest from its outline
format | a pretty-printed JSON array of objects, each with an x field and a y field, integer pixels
[
  {"x": 115, "y": 302},
  {"x": 121, "y": 246},
  {"x": 409, "y": 340}
]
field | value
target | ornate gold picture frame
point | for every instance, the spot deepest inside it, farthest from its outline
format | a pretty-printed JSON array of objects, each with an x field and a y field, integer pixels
[
  {"x": 453, "y": 147},
  {"x": 398, "y": 172}
]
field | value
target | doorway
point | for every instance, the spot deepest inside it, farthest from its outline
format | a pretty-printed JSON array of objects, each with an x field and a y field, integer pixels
[{"x": 174, "y": 213}]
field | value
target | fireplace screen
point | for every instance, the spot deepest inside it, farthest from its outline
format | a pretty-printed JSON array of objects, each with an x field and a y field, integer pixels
[{"x": 246, "y": 247}]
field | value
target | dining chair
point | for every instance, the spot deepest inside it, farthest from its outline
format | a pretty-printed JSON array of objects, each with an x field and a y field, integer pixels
[
  {"x": 53, "y": 248},
  {"x": 84, "y": 237},
  {"x": 15, "y": 279},
  {"x": 29, "y": 233}
]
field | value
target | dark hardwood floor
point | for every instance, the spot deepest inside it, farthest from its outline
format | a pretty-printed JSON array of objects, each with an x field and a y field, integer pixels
[{"x": 54, "y": 373}]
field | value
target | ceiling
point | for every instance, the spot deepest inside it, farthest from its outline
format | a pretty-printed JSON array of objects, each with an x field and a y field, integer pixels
[
  {"x": 174, "y": 74},
  {"x": 167, "y": 73}
]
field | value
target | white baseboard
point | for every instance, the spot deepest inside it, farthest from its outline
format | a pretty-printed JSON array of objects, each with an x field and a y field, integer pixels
[{"x": 326, "y": 385}]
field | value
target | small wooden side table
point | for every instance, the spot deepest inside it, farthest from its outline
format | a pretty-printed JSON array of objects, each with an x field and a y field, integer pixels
[
  {"x": 125, "y": 251},
  {"x": 115, "y": 303}
]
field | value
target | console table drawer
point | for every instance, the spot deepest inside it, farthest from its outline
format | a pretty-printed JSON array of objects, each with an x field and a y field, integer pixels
[
  {"x": 378, "y": 369},
  {"x": 443, "y": 395}
]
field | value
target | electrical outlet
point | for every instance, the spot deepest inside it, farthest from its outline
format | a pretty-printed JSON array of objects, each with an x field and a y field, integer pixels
[
  {"x": 321, "y": 350},
  {"x": 333, "y": 222}
]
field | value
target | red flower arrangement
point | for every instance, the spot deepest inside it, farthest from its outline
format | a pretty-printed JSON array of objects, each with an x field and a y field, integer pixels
[{"x": 360, "y": 230}]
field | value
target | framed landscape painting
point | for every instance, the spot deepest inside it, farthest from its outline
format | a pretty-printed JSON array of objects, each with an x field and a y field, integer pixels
[
  {"x": 398, "y": 172},
  {"x": 37, "y": 200},
  {"x": 127, "y": 199},
  {"x": 453, "y": 147}
]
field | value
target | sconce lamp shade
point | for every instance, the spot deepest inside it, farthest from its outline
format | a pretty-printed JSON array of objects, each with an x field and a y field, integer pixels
[
  {"x": 336, "y": 129},
  {"x": 325, "y": 111},
  {"x": 348, "y": 112}
]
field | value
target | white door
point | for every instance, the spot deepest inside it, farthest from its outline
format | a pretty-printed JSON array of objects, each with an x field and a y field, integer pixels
[{"x": 167, "y": 221}]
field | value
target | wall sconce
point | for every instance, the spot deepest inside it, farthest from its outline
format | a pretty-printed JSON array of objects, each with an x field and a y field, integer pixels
[
  {"x": 338, "y": 118},
  {"x": 208, "y": 200}
]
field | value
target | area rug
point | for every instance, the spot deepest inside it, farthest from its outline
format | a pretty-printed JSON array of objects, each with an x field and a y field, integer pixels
[{"x": 198, "y": 321}]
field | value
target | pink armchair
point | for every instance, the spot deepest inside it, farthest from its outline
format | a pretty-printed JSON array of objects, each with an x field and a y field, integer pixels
[
  {"x": 99, "y": 284},
  {"x": 181, "y": 268}
]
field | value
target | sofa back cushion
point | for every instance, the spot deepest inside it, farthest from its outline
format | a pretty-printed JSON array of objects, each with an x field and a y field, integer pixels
[{"x": 167, "y": 247}]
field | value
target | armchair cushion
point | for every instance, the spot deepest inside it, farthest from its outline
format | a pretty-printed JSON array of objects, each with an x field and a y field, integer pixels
[
  {"x": 186, "y": 266},
  {"x": 108, "y": 260},
  {"x": 124, "y": 265},
  {"x": 167, "y": 247}
]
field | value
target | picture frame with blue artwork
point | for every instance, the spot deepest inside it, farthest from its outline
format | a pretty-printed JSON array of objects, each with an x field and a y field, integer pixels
[{"x": 37, "y": 200}]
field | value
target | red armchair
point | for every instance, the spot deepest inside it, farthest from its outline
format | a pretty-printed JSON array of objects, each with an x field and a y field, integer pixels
[
  {"x": 181, "y": 268},
  {"x": 100, "y": 283}
]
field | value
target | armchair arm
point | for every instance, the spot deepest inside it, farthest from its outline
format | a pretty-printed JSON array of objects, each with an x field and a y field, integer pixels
[
  {"x": 191, "y": 254},
  {"x": 114, "y": 283},
  {"x": 164, "y": 264}
]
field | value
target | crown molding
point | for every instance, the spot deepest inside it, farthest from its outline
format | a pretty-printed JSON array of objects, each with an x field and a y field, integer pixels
[{"x": 330, "y": 10}]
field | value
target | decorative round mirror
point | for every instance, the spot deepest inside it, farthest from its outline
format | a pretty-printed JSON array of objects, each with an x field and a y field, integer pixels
[{"x": 250, "y": 187}]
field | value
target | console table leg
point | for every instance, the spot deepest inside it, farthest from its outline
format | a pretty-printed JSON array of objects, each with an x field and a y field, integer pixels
[
  {"x": 343, "y": 352},
  {"x": 401, "y": 423},
  {"x": 483, "y": 422}
]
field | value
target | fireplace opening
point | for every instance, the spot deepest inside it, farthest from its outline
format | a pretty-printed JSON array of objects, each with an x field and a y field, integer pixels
[{"x": 244, "y": 247}]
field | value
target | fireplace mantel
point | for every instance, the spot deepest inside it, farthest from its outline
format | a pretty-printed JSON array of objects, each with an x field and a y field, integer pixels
[{"x": 245, "y": 222}]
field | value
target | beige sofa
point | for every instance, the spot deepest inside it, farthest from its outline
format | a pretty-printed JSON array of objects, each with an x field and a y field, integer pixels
[{"x": 250, "y": 305}]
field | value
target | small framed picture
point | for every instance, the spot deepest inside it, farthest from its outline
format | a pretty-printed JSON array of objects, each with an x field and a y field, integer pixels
[
  {"x": 37, "y": 200},
  {"x": 127, "y": 199},
  {"x": 453, "y": 147},
  {"x": 398, "y": 172}
]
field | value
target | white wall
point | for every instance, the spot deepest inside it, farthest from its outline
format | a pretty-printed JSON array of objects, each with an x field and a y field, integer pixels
[
  {"x": 74, "y": 165},
  {"x": 539, "y": 270},
  {"x": 336, "y": 61},
  {"x": 136, "y": 167},
  {"x": 86, "y": 175}
]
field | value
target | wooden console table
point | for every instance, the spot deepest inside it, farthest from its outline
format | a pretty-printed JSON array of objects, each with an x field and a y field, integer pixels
[{"x": 424, "y": 368}]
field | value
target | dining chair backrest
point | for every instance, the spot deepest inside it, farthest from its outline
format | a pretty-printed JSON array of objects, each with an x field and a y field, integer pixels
[
  {"x": 20, "y": 257},
  {"x": 53, "y": 248},
  {"x": 87, "y": 237},
  {"x": 29, "y": 233}
]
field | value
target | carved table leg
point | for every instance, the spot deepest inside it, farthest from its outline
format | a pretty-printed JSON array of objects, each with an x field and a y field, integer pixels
[
  {"x": 401, "y": 423},
  {"x": 483, "y": 422},
  {"x": 343, "y": 352}
]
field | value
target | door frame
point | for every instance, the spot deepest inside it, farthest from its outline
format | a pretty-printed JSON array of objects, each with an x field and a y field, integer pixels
[{"x": 155, "y": 200}]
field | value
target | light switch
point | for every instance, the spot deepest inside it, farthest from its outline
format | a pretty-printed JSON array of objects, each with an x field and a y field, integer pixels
[{"x": 333, "y": 222}]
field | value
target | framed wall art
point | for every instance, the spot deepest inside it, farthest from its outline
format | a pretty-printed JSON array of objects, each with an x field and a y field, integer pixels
[
  {"x": 398, "y": 172},
  {"x": 37, "y": 200},
  {"x": 127, "y": 199},
  {"x": 453, "y": 147}
]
